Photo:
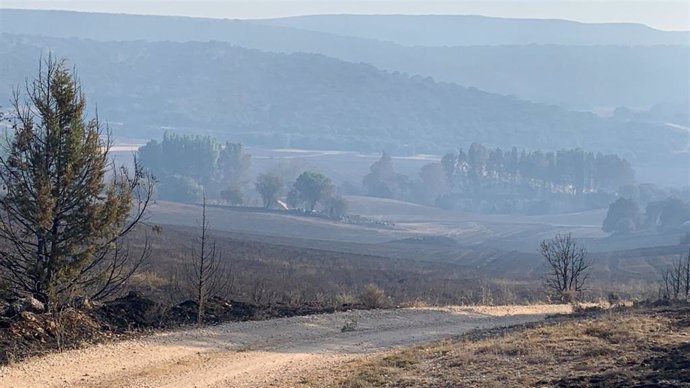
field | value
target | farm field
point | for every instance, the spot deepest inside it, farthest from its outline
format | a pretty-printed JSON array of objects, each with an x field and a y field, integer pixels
[
  {"x": 409, "y": 220},
  {"x": 413, "y": 258}
]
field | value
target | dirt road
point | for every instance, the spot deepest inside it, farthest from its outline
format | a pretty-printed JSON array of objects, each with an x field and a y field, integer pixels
[{"x": 280, "y": 352}]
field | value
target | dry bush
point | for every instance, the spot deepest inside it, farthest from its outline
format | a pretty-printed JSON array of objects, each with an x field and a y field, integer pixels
[
  {"x": 345, "y": 298},
  {"x": 149, "y": 279},
  {"x": 403, "y": 360},
  {"x": 569, "y": 296},
  {"x": 373, "y": 297}
]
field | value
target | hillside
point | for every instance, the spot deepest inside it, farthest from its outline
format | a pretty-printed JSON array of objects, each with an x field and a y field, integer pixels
[
  {"x": 312, "y": 101},
  {"x": 474, "y": 30},
  {"x": 644, "y": 69}
]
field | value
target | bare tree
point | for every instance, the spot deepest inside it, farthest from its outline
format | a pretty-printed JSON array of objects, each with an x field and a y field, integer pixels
[
  {"x": 670, "y": 286},
  {"x": 208, "y": 276},
  {"x": 681, "y": 275},
  {"x": 65, "y": 209},
  {"x": 568, "y": 266},
  {"x": 675, "y": 279}
]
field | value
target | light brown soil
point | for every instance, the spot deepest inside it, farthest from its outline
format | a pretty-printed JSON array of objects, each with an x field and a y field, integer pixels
[{"x": 278, "y": 352}]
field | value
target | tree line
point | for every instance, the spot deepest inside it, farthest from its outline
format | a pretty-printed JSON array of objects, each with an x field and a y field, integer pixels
[
  {"x": 573, "y": 171},
  {"x": 190, "y": 167},
  {"x": 185, "y": 165},
  {"x": 504, "y": 181},
  {"x": 625, "y": 215}
]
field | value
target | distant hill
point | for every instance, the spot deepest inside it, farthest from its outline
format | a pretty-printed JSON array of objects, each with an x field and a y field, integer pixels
[
  {"x": 312, "y": 101},
  {"x": 573, "y": 76},
  {"x": 409, "y": 30},
  {"x": 472, "y": 30}
]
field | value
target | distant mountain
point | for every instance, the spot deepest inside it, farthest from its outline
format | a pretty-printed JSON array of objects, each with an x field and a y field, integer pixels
[
  {"x": 469, "y": 30},
  {"x": 312, "y": 101},
  {"x": 580, "y": 77}
]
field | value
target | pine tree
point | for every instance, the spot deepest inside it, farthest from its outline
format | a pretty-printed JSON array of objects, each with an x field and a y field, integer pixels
[{"x": 65, "y": 208}]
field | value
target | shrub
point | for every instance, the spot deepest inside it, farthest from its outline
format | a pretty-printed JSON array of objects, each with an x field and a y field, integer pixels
[
  {"x": 569, "y": 297},
  {"x": 373, "y": 297},
  {"x": 345, "y": 299}
]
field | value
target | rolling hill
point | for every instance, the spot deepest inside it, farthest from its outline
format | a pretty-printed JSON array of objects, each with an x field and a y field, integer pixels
[
  {"x": 312, "y": 101},
  {"x": 474, "y": 30}
]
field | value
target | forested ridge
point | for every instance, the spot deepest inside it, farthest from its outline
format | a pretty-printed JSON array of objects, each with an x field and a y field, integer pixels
[
  {"x": 312, "y": 101},
  {"x": 581, "y": 66}
]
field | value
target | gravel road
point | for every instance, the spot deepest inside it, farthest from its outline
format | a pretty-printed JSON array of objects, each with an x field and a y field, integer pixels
[{"x": 276, "y": 352}]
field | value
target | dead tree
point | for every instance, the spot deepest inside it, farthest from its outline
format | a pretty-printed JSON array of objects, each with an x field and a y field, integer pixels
[
  {"x": 568, "y": 266},
  {"x": 675, "y": 279},
  {"x": 684, "y": 274},
  {"x": 670, "y": 287},
  {"x": 208, "y": 275}
]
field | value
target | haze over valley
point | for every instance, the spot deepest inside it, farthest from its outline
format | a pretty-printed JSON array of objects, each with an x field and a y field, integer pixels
[{"x": 342, "y": 199}]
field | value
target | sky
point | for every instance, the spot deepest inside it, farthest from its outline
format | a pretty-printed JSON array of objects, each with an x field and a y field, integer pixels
[{"x": 659, "y": 14}]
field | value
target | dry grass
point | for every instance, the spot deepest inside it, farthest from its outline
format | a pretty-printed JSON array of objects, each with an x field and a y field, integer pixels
[
  {"x": 611, "y": 349},
  {"x": 149, "y": 279}
]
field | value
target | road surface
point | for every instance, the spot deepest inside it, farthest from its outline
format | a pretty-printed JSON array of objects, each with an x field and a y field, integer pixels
[{"x": 279, "y": 352}]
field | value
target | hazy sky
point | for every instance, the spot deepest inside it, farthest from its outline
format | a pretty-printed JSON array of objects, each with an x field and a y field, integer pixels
[{"x": 661, "y": 14}]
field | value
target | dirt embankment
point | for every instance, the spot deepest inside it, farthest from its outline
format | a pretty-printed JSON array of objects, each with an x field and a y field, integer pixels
[{"x": 277, "y": 352}]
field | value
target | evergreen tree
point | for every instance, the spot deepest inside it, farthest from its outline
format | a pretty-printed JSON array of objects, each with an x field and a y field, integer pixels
[{"x": 65, "y": 209}]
